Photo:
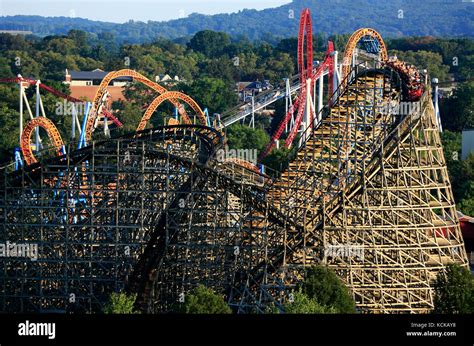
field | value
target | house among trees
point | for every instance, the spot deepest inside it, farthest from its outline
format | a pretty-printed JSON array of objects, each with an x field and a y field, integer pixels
[
  {"x": 166, "y": 79},
  {"x": 248, "y": 89},
  {"x": 17, "y": 32},
  {"x": 84, "y": 84}
]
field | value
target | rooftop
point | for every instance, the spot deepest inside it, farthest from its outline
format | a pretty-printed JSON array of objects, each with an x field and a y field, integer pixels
[{"x": 95, "y": 74}]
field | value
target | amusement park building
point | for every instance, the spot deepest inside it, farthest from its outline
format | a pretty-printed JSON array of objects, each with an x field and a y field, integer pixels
[{"x": 84, "y": 84}]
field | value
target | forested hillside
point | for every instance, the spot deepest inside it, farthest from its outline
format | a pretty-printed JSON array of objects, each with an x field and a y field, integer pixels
[{"x": 392, "y": 18}]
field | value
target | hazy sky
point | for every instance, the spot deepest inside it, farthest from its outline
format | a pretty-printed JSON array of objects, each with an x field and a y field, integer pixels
[{"x": 120, "y": 11}]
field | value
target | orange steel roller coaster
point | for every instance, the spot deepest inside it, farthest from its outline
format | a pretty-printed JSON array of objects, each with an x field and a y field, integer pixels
[
  {"x": 171, "y": 96},
  {"x": 96, "y": 106},
  {"x": 352, "y": 45},
  {"x": 50, "y": 129}
]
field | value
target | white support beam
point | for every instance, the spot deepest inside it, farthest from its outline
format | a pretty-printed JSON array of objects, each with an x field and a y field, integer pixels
[
  {"x": 78, "y": 123},
  {"x": 252, "y": 121},
  {"x": 43, "y": 113},
  {"x": 309, "y": 116},
  {"x": 336, "y": 77},
  {"x": 37, "y": 113},
  {"x": 314, "y": 89},
  {"x": 287, "y": 100},
  {"x": 73, "y": 122},
  {"x": 436, "y": 104},
  {"x": 30, "y": 113},
  {"x": 20, "y": 120},
  {"x": 320, "y": 96}
]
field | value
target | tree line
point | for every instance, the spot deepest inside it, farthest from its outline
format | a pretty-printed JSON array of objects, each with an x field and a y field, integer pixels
[
  {"x": 391, "y": 18},
  {"x": 320, "y": 292}
]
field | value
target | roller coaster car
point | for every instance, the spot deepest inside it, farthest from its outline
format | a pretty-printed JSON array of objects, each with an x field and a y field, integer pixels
[
  {"x": 414, "y": 95},
  {"x": 412, "y": 87},
  {"x": 413, "y": 91}
]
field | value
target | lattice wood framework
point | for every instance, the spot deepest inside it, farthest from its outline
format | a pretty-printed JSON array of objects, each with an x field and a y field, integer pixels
[
  {"x": 90, "y": 232},
  {"x": 402, "y": 217}
]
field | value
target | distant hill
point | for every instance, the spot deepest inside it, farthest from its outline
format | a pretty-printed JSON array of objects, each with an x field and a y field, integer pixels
[{"x": 393, "y": 18}]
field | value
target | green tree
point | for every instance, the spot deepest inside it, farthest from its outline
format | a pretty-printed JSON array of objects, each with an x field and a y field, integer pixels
[
  {"x": 322, "y": 284},
  {"x": 279, "y": 67},
  {"x": 130, "y": 115},
  {"x": 457, "y": 112},
  {"x": 9, "y": 134},
  {"x": 5, "y": 69},
  {"x": 79, "y": 38},
  {"x": 211, "y": 93},
  {"x": 467, "y": 203},
  {"x": 452, "y": 153},
  {"x": 454, "y": 291},
  {"x": 61, "y": 45},
  {"x": 461, "y": 172},
  {"x": 24, "y": 63},
  {"x": 203, "y": 300},
  {"x": 14, "y": 42},
  {"x": 221, "y": 68},
  {"x": 290, "y": 46},
  {"x": 277, "y": 160},
  {"x": 302, "y": 304},
  {"x": 244, "y": 137},
  {"x": 120, "y": 303},
  {"x": 210, "y": 43},
  {"x": 466, "y": 67},
  {"x": 431, "y": 61},
  {"x": 107, "y": 39}
]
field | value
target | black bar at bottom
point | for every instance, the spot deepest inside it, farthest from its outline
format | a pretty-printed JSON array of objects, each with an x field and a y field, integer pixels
[{"x": 239, "y": 329}]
